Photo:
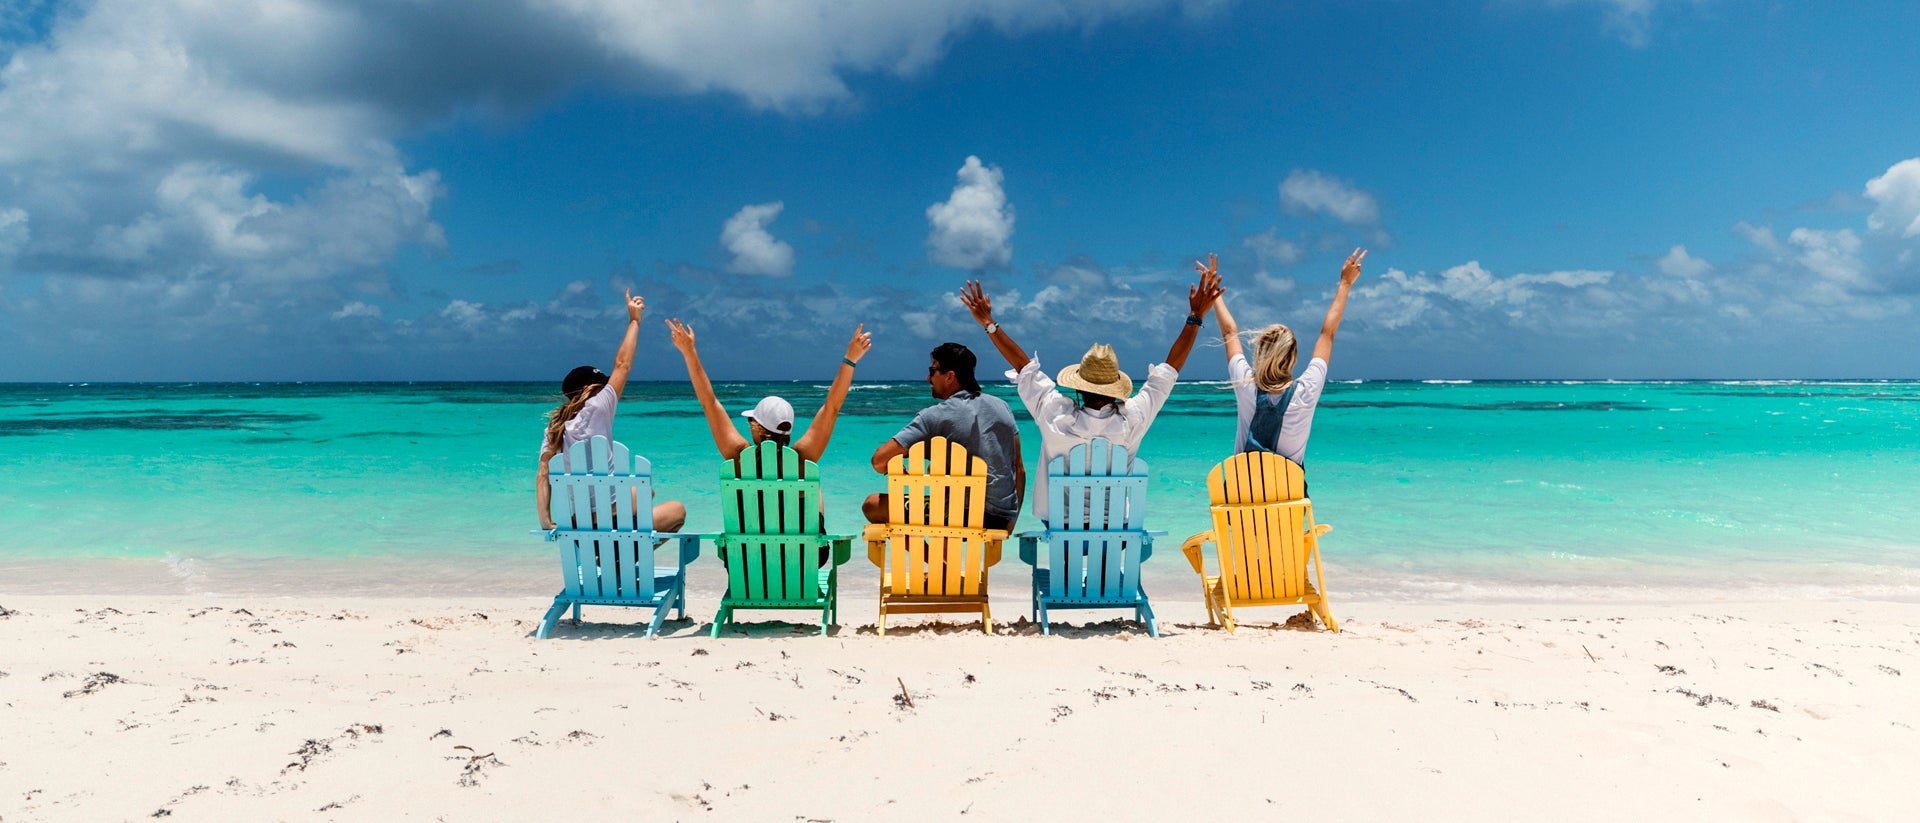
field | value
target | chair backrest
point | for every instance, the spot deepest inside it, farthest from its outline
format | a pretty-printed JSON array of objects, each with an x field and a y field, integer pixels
[
  {"x": 1260, "y": 520},
  {"x": 1095, "y": 541},
  {"x": 936, "y": 532},
  {"x": 770, "y": 505},
  {"x": 603, "y": 501}
]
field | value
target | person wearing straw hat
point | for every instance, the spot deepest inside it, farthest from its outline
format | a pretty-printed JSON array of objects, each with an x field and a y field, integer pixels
[
  {"x": 1107, "y": 406},
  {"x": 772, "y": 417}
]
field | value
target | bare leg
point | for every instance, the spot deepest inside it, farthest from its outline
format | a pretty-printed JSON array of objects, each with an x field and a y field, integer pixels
[
  {"x": 669, "y": 516},
  {"x": 875, "y": 508}
]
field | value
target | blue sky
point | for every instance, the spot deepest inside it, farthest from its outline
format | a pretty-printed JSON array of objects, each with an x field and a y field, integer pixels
[{"x": 461, "y": 190}]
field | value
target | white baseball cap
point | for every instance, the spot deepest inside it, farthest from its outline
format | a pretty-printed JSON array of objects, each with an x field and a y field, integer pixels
[{"x": 773, "y": 414}]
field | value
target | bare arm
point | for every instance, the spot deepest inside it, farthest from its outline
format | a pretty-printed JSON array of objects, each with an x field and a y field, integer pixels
[
  {"x": 623, "y": 359},
  {"x": 1229, "y": 331},
  {"x": 886, "y": 452},
  {"x": 1200, "y": 298},
  {"x": 1019, "y": 477},
  {"x": 543, "y": 491},
  {"x": 726, "y": 438},
  {"x": 981, "y": 307},
  {"x": 1323, "y": 348},
  {"x": 814, "y": 443}
]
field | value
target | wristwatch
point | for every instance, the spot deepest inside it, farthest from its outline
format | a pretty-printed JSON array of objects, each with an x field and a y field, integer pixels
[{"x": 992, "y": 327}]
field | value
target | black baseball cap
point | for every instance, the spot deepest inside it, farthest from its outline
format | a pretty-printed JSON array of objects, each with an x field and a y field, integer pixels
[{"x": 581, "y": 378}]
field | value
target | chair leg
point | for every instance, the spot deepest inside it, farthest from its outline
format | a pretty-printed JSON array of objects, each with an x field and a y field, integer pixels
[
  {"x": 659, "y": 617},
  {"x": 1326, "y": 615},
  {"x": 720, "y": 620},
  {"x": 552, "y": 617},
  {"x": 1153, "y": 625},
  {"x": 576, "y": 612},
  {"x": 986, "y": 618},
  {"x": 1040, "y": 610},
  {"x": 881, "y": 627}
]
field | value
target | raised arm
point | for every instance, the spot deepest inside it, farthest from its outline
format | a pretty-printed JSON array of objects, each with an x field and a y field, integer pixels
[
  {"x": 1229, "y": 331},
  {"x": 981, "y": 306},
  {"x": 726, "y": 438},
  {"x": 1323, "y": 348},
  {"x": 1200, "y": 298},
  {"x": 623, "y": 359},
  {"x": 543, "y": 491},
  {"x": 820, "y": 430}
]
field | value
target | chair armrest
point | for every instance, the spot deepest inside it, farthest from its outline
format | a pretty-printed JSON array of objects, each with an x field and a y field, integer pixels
[
  {"x": 876, "y": 536},
  {"x": 1191, "y": 549},
  {"x": 842, "y": 548},
  {"x": 548, "y": 535},
  {"x": 1146, "y": 544},
  {"x": 689, "y": 543},
  {"x": 994, "y": 537},
  {"x": 1030, "y": 548}
]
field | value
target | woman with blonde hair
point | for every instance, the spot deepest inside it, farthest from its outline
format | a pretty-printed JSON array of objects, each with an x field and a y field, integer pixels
[
  {"x": 1275, "y": 407},
  {"x": 587, "y": 410}
]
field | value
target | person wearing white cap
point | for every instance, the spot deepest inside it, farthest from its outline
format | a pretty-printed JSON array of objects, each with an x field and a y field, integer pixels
[
  {"x": 1107, "y": 406},
  {"x": 772, "y": 417}
]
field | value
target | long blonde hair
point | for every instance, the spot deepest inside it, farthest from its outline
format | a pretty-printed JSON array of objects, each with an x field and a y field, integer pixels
[
  {"x": 1274, "y": 353},
  {"x": 563, "y": 414}
]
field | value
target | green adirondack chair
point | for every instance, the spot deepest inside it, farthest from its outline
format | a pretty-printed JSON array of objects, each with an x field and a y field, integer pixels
[{"x": 775, "y": 538}]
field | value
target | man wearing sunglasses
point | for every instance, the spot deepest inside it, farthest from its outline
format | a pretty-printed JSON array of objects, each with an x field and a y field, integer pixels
[{"x": 965, "y": 415}]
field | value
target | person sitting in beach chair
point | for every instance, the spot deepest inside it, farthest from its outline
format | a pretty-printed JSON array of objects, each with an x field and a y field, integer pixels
[
  {"x": 979, "y": 422},
  {"x": 1106, "y": 405},
  {"x": 772, "y": 417},
  {"x": 1275, "y": 407},
  {"x": 590, "y": 397}
]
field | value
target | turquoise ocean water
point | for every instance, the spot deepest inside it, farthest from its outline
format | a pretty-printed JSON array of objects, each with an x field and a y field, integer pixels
[{"x": 1503, "y": 490}]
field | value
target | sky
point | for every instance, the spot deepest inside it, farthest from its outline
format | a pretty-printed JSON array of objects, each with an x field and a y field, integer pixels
[{"x": 464, "y": 189}]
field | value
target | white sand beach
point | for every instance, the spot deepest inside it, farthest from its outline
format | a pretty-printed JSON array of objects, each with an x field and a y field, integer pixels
[{"x": 312, "y": 707}]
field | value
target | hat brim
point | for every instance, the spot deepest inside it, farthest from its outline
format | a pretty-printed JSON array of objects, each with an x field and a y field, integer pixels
[
  {"x": 1070, "y": 378},
  {"x": 748, "y": 414}
]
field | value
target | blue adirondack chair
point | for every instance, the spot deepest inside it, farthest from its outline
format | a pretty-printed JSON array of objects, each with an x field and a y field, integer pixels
[
  {"x": 603, "y": 504},
  {"x": 1096, "y": 500}
]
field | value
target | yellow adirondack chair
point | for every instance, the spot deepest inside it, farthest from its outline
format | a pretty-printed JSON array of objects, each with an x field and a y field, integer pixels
[
  {"x": 934, "y": 551},
  {"x": 1264, "y": 535}
]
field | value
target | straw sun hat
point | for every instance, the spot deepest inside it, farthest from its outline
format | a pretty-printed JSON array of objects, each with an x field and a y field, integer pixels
[{"x": 1098, "y": 373}]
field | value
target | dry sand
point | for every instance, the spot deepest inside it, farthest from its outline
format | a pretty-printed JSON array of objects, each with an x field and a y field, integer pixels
[{"x": 323, "y": 708}]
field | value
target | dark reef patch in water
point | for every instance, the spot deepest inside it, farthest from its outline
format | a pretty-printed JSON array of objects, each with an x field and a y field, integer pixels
[{"x": 169, "y": 421}]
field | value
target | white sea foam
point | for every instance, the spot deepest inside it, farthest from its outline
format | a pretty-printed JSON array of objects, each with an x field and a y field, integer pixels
[{"x": 1447, "y": 382}]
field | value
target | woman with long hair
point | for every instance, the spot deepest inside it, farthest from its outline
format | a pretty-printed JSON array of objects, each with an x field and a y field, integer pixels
[
  {"x": 587, "y": 410},
  {"x": 772, "y": 417},
  {"x": 1276, "y": 407}
]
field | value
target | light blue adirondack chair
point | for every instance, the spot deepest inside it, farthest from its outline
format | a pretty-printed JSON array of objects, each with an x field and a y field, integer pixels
[
  {"x": 603, "y": 504},
  {"x": 1096, "y": 500}
]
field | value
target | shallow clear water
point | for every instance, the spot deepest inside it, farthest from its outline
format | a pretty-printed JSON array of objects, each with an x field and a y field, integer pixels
[{"x": 1531, "y": 490}]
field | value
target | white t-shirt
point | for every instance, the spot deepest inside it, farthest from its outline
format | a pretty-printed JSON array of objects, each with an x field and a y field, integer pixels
[
  {"x": 1063, "y": 425},
  {"x": 595, "y": 418},
  {"x": 1298, "y": 422}
]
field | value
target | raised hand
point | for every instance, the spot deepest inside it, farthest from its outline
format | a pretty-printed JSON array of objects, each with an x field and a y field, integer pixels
[
  {"x": 682, "y": 336},
  {"x": 1212, "y": 266},
  {"x": 860, "y": 344},
  {"x": 977, "y": 302},
  {"x": 1201, "y": 295},
  {"x": 1351, "y": 271},
  {"x": 636, "y": 306}
]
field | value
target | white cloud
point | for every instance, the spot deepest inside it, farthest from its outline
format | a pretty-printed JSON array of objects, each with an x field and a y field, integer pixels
[
  {"x": 784, "y": 55},
  {"x": 1897, "y": 198},
  {"x": 1274, "y": 250},
  {"x": 356, "y": 309},
  {"x": 1679, "y": 263},
  {"x": 973, "y": 229},
  {"x": 754, "y": 250},
  {"x": 13, "y": 232},
  {"x": 1397, "y": 299},
  {"x": 1629, "y": 20},
  {"x": 1306, "y": 191}
]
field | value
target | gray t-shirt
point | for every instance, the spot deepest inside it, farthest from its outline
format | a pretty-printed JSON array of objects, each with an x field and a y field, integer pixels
[{"x": 984, "y": 425}]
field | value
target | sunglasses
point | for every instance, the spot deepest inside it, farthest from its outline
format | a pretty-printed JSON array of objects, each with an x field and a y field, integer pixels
[{"x": 932, "y": 369}]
